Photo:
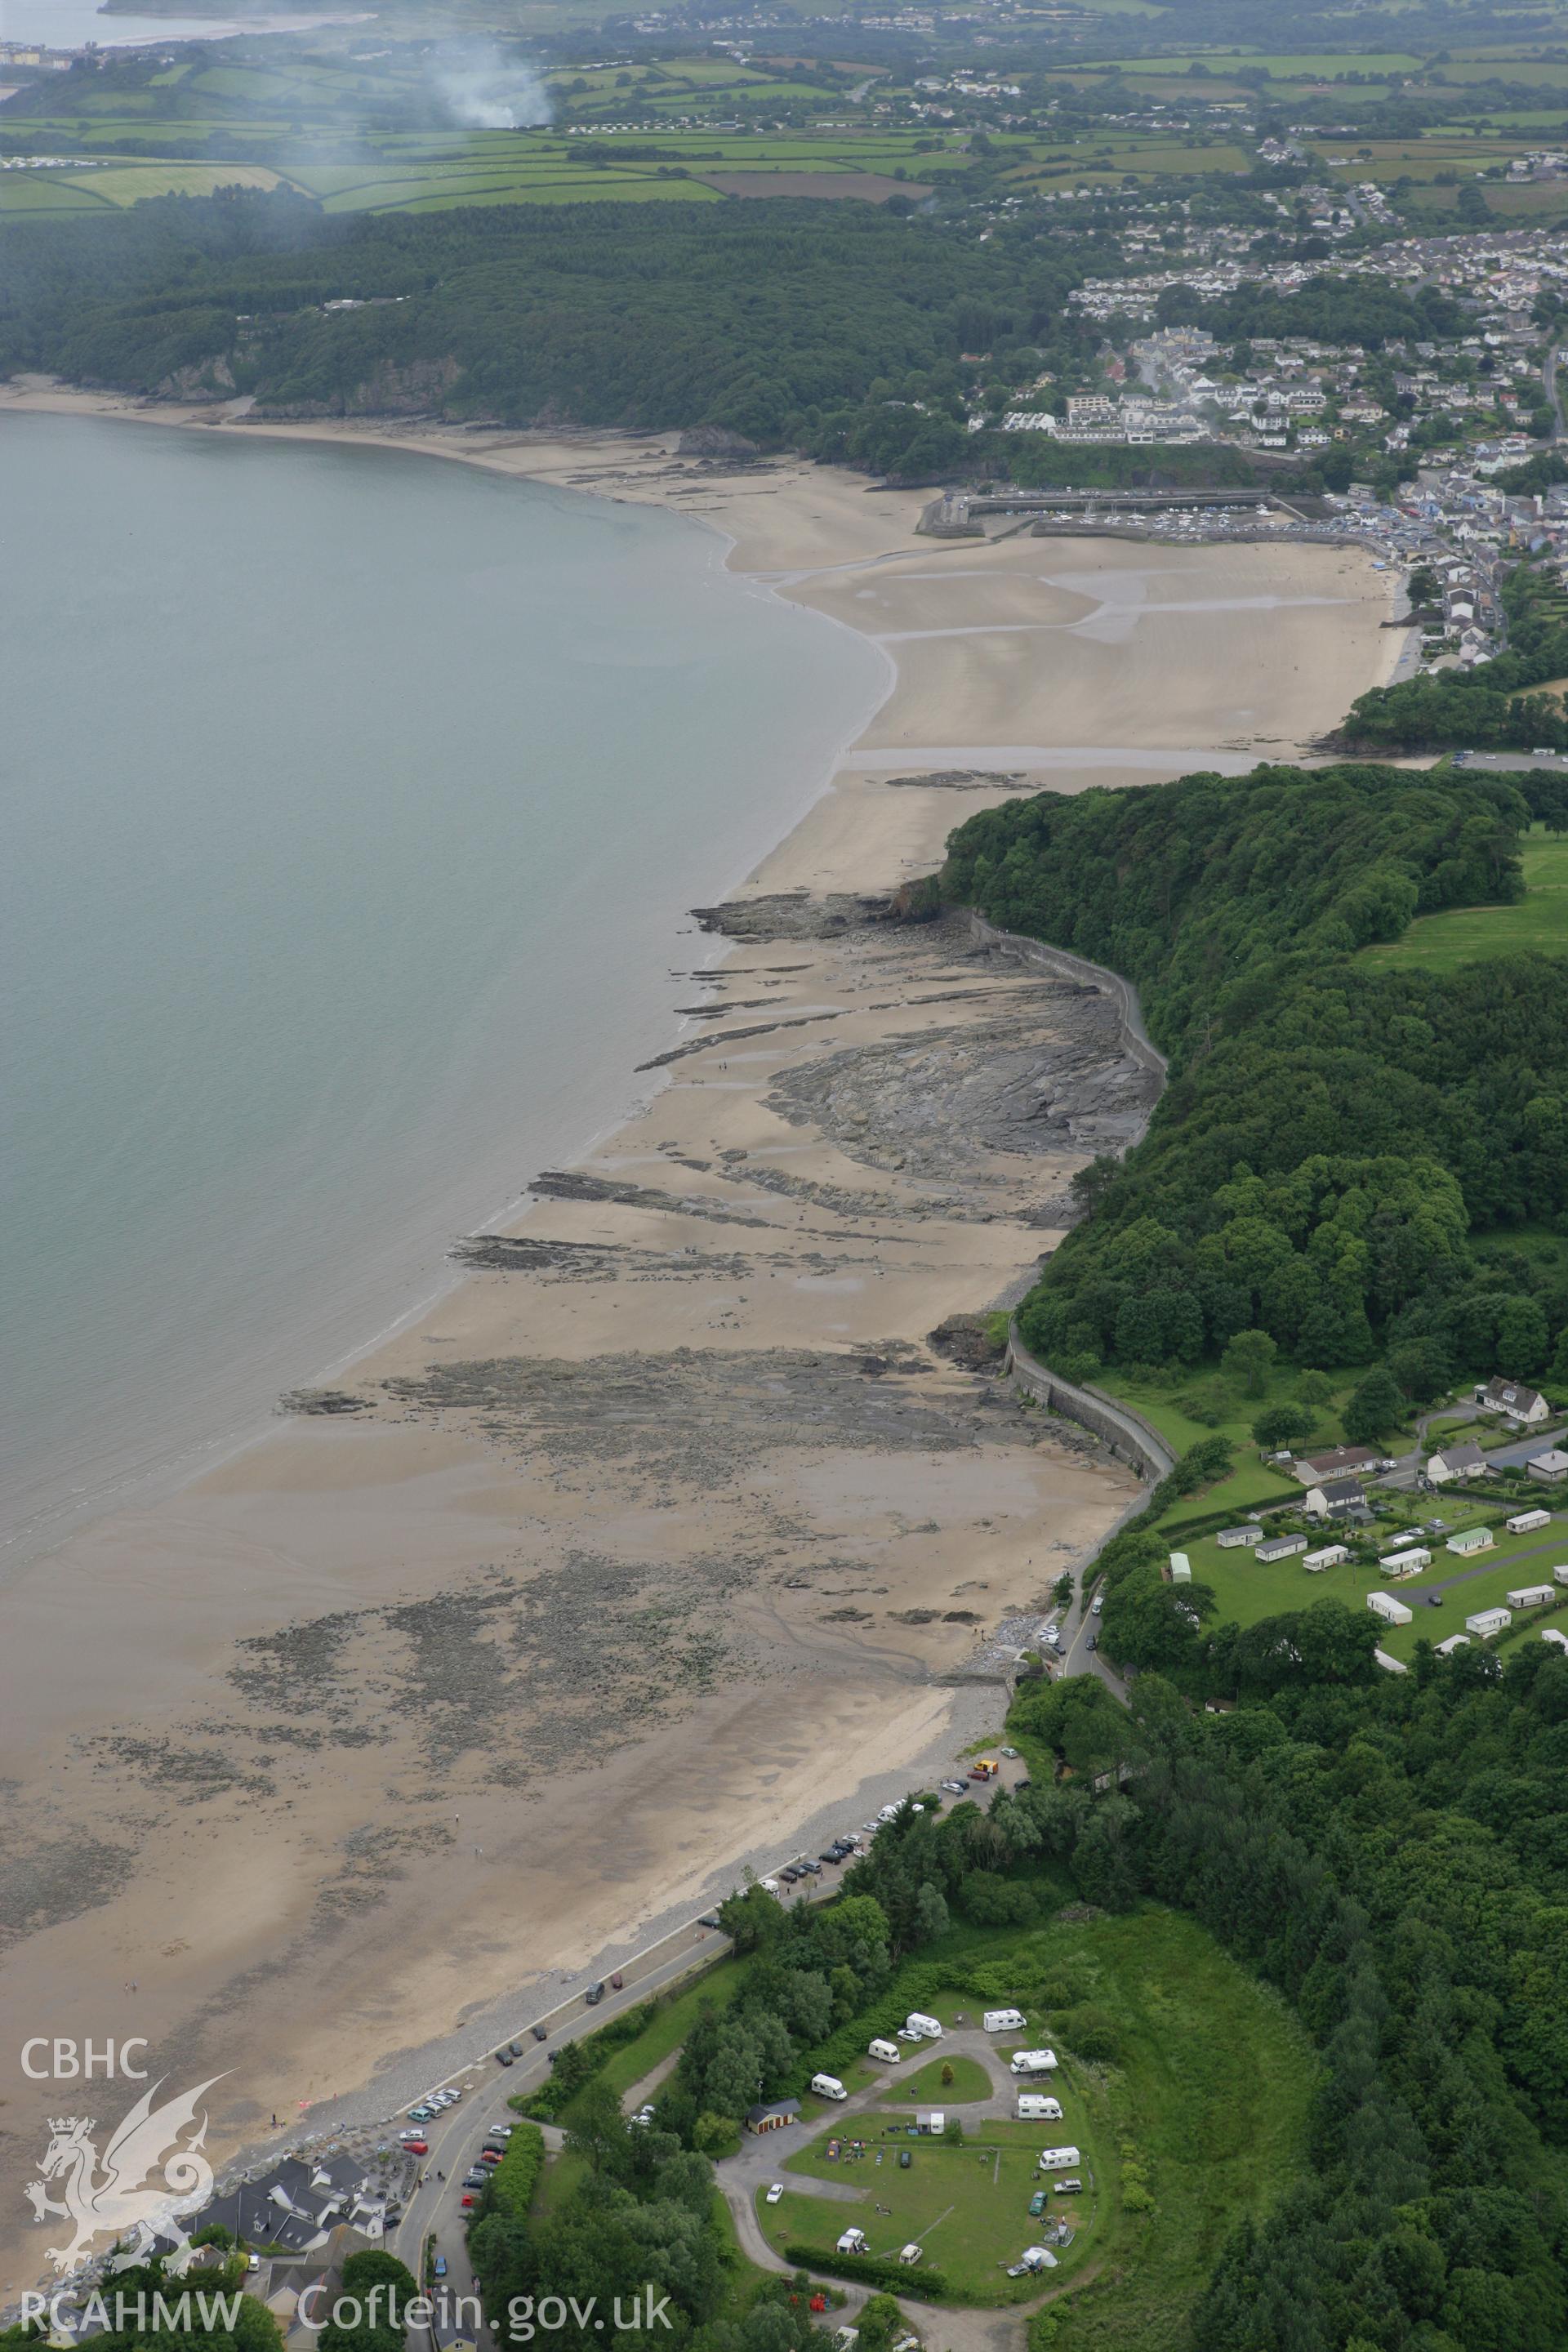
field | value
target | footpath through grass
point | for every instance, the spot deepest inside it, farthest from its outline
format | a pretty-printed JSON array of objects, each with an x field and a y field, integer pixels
[{"x": 1466, "y": 934}]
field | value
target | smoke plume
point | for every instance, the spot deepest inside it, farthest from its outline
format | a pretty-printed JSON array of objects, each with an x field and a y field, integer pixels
[{"x": 484, "y": 91}]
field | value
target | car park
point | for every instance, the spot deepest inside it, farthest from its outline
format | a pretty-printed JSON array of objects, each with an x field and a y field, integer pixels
[{"x": 776, "y": 2192}]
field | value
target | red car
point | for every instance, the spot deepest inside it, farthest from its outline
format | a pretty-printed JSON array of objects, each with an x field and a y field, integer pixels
[
  {"x": 488, "y": 2155},
  {"x": 415, "y": 2148},
  {"x": 470, "y": 2201}
]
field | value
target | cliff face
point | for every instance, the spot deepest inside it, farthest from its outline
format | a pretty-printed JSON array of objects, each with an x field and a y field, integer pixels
[{"x": 414, "y": 389}]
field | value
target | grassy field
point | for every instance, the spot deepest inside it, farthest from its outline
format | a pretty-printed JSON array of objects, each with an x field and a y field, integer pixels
[
  {"x": 1212, "y": 2064},
  {"x": 1539, "y": 921},
  {"x": 969, "y": 2081}
]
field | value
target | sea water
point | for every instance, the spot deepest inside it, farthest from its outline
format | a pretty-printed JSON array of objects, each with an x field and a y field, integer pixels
[{"x": 352, "y": 802}]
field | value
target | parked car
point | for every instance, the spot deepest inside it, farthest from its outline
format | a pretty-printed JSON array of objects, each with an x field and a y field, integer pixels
[
  {"x": 406, "y": 2135},
  {"x": 831, "y": 1854},
  {"x": 503, "y": 2057},
  {"x": 1092, "y": 1643},
  {"x": 1011, "y": 1753},
  {"x": 617, "y": 1981},
  {"x": 1434, "y": 1600},
  {"x": 812, "y": 1869},
  {"x": 467, "y": 2198},
  {"x": 415, "y": 2148},
  {"x": 955, "y": 1788},
  {"x": 438, "y": 2267},
  {"x": 594, "y": 1994},
  {"x": 490, "y": 2155},
  {"x": 516, "y": 2049},
  {"x": 1038, "y": 2203},
  {"x": 500, "y": 2131},
  {"x": 905, "y": 2160},
  {"x": 421, "y": 2114},
  {"x": 1069, "y": 2188},
  {"x": 540, "y": 2032},
  {"x": 789, "y": 1873},
  {"x": 774, "y": 2193},
  {"x": 709, "y": 1919}
]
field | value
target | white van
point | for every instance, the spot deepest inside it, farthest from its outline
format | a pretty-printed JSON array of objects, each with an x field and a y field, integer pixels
[
  {"x": 1003, "y": 2021},
  {"x": 1034, "y": 2109},
  {"x": 853, "y": 2242},
  {"x": 1096, "y": 1604},
  {"x": 1058, "y": 2160},
  {"x": 1034, "y": 2061},
  {"x": 925, "y": 2029},
  {"x": 888, "y": 2052},
  {"x": 828, "y": 2087}
]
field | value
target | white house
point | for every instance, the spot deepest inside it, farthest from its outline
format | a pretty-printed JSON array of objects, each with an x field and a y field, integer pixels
[
  {"x": 1526, "y": 1408},
  {"x": 1455, "y": 1462},
  {"x": 1488, "y": 1622},
  {"x": 1551, "y": 1467},
  {"x": 1392, "y": 1611}
]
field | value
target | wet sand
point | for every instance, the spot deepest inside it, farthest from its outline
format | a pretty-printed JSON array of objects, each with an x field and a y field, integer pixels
[{"x": 660, "y": 1535}]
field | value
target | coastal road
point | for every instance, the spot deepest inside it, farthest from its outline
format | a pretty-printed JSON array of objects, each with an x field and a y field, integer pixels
[{"x": 1554, "y": 392}]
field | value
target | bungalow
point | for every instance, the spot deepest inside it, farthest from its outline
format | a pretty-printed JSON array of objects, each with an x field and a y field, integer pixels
[
  {"x": 1229, "y": 1537},
  {"x": 773, "y": 2115},
  {"x": 1392, "y": 1611},
  {"x": 1455, "y": 1462},
  {"x": 1280, "y": 1547},
  {"x": 1331, "y": 1556},
  {"x": 1336, "y": 1498},
  {"x": 1549, "y": 1467},
  {"x": 1471, "y": 1539},
  {"x": 1488, "y": 1622},
  {"x": 1526, "y": 1408},
  {"x": 1345, "y": 1461}
]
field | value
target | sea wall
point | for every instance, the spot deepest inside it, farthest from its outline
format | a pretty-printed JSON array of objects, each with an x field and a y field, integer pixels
[
  {"x": 1122, "y": 1430},
  {"x": 1135, "y": 1038}
]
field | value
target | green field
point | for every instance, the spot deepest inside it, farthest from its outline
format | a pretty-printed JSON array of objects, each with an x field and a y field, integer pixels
[
  {"x": 969, "y": 2081},
  {"x": 1211, "y": 2100},
  {"x": 1464, "y": 934}
]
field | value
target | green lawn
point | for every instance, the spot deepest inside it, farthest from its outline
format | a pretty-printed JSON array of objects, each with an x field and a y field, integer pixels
[
  {"x": 1442, "y": 942},
  {"x": 969, "y": 2081},
  {"x": 1212, "y": 2096}
]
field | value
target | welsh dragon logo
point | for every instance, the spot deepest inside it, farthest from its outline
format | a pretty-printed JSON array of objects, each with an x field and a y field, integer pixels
[{"x": 148, "y": 2182}]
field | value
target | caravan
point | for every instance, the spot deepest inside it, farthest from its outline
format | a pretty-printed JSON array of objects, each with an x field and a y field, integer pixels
[
  {"x": 921, "y": 2028},
  {"x": 888, "y": 2052}
]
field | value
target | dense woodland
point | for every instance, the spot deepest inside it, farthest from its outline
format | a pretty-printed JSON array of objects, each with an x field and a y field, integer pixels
[
  {"x": 1335, "y": 1137},
  {"x": 781, "y": 322}
]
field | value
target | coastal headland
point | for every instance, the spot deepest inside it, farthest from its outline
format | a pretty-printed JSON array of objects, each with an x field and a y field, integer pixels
[{"x": 669, "y": 1526}]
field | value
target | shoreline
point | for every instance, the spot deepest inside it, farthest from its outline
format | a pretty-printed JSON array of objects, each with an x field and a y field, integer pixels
[{"x": 696, "y": 1558}]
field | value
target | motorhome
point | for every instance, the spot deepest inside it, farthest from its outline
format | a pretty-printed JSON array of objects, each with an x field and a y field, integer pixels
[
  {"x": 1003, "y": 2021},
  {"x": 1035, "y": 2108},
  {"x": 1034, "y": 2061},
  {"x": 1058, "y": 2160},
  {"x": 828, "y": 2087}
]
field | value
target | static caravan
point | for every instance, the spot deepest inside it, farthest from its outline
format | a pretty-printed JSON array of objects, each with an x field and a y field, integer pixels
[
  {"x": 1280, "y": 1547},
  {"x": 1034, "y": 2107},
  {"x": 1331, "y": 1556},
  {"x": 1488, "y": 1622},
  {"x": 1229, "y": 1537},
  {"x": 1555, "y": 1636},
  {"x": 1524, "y": 1523},
  {"x": 1455, "y": 1641},
  {"x": 1003, "y": 2021},
  {"x": 1560, "y": 1576},
  {"x": 1392, "y": 1611},
  {"x": 1408, "y": 1562},
  {"x": 935, "y": 2123},
  {"x": 1472, "y": 1539},
  {"x": 1531, "y": 1596},
  {"x": 1181, "y": 1569}
]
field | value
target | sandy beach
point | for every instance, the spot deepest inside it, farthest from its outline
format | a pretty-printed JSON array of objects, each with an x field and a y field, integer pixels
[{"x": 666, "y": 1529}]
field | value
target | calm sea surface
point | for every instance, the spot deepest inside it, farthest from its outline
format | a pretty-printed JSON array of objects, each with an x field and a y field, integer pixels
[{"x": 352, "y": 803}]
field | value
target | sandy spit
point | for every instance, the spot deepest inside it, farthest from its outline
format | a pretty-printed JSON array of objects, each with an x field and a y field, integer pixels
[{"x": 657, "y": 1538}]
